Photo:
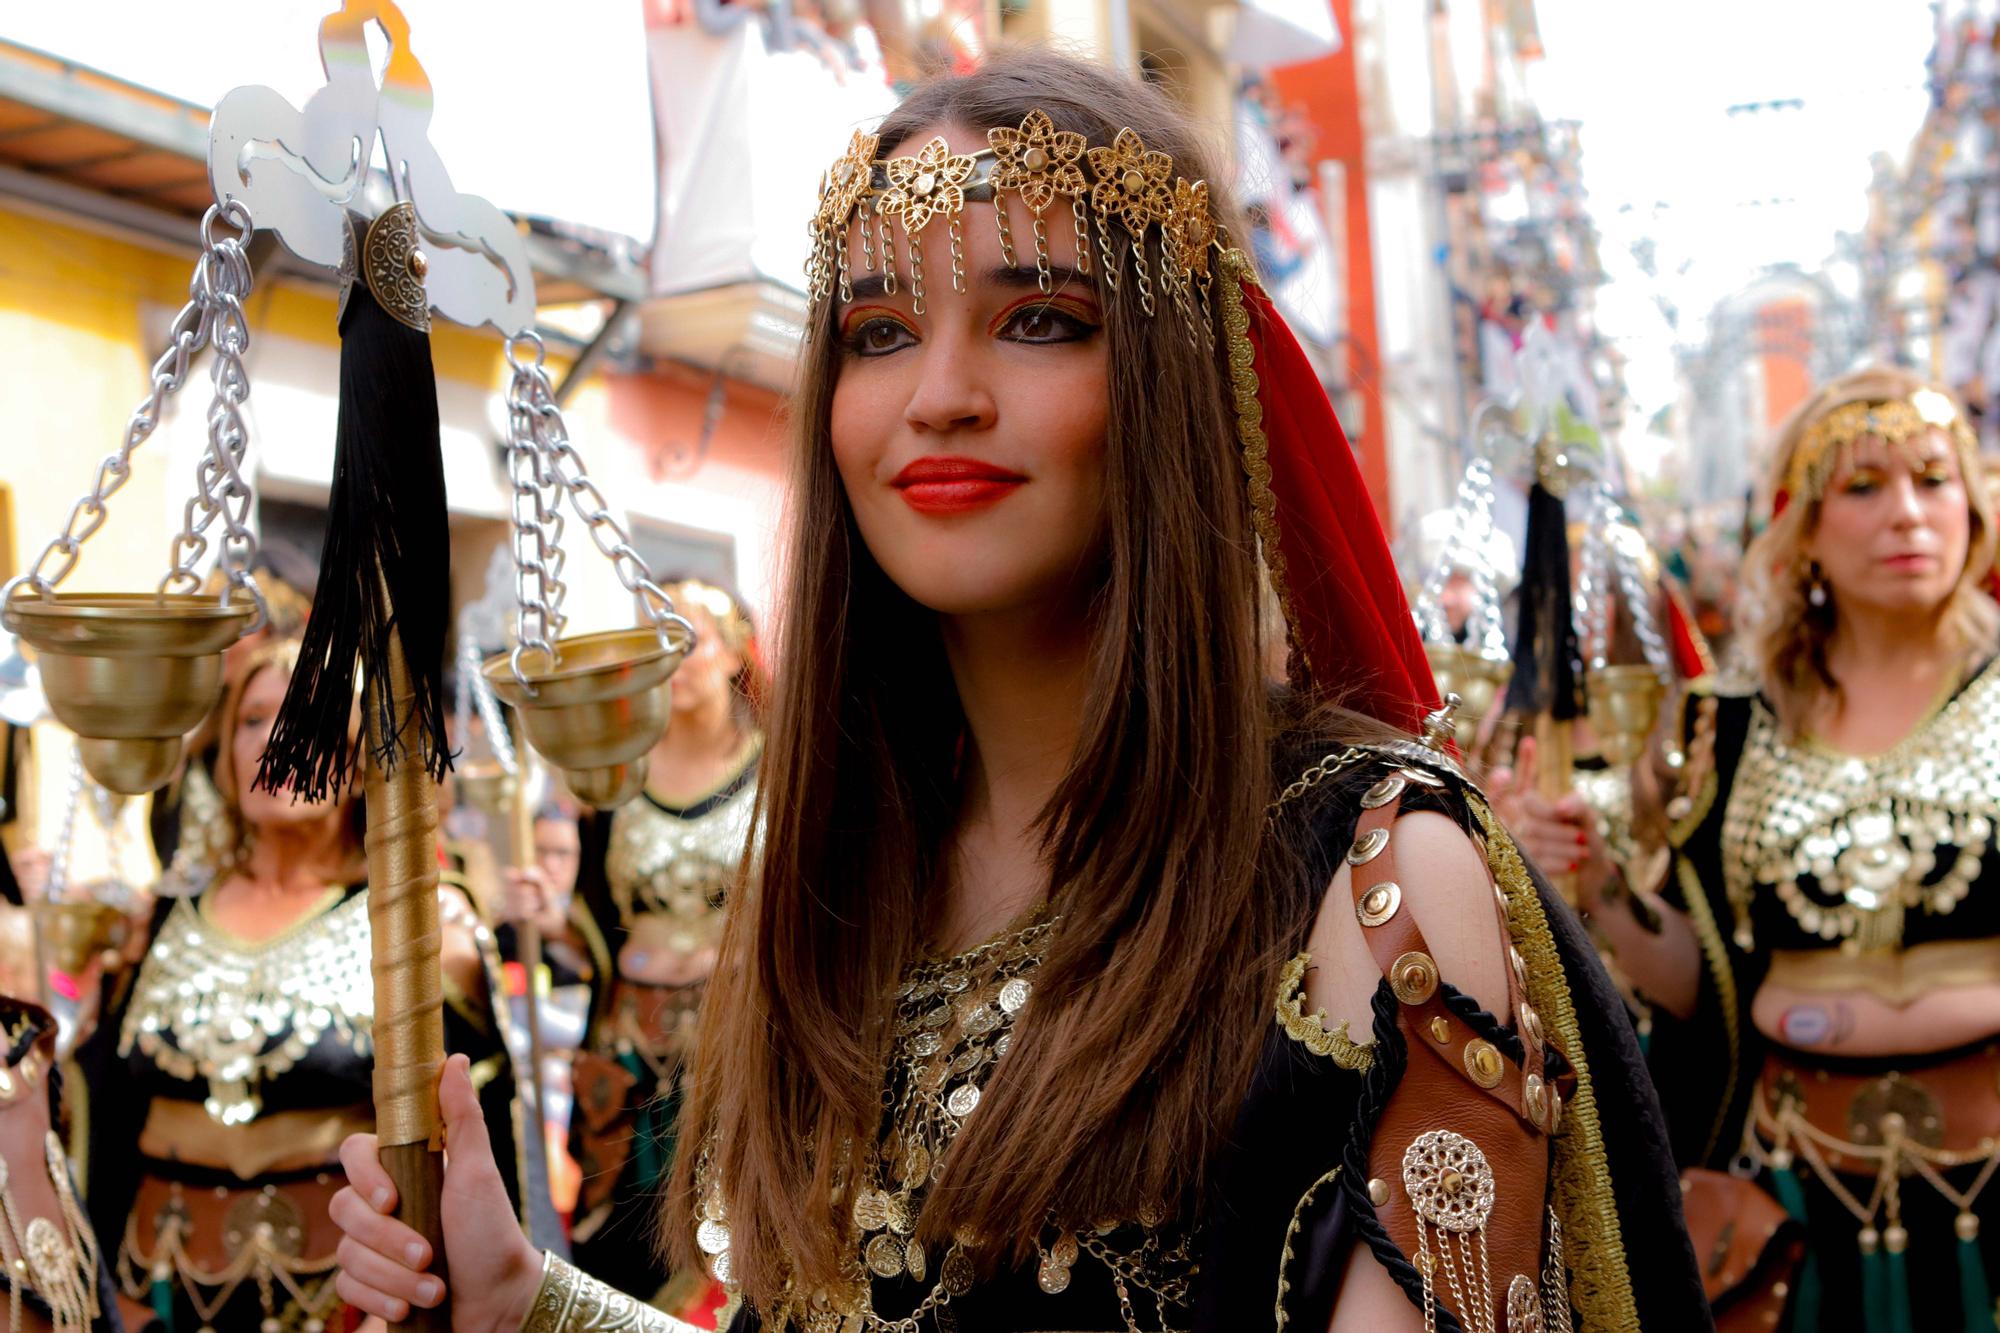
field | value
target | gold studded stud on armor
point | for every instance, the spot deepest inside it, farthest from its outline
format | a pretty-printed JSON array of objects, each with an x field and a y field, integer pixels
[
  {"x": 1380, "y": 903},
  {"x": 1413, "y": 977},
  {"x": 1378, "y": 1191},
  {"x": 1440, "y": 1030},
  {"x": 1383, "y": 792},
  {"x": 1535, "y": 1097},
  {"x": 1368, "y": 846},
  {"x": 1483, "y": 1062}
]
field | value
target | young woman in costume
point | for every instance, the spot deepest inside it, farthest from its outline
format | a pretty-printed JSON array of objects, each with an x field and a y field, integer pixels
[
  {"x": 1086, "y": 980},
  {"x": 1822, "y": 957},
  {"x": 654, "y": 875},
  {"x": 232, "y": 1060}
]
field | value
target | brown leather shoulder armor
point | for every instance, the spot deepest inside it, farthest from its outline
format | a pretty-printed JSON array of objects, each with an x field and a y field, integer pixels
[{"x": 1460, "y": 1156}]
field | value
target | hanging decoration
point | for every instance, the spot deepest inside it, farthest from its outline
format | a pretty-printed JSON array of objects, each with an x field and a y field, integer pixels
[{"x": 131, "y": 673}]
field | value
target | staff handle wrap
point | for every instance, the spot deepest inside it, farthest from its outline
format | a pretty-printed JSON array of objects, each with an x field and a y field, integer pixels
[{"x": 409, "y": 982}]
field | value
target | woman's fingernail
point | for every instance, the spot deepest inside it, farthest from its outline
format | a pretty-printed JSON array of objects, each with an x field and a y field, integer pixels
[
  {"x": 1580, "y": 838},
  {"x": 415, "y": 1253},
  {"x": 398, "y": 1311},
  {"x": 427, "y": 1290},
  {"x": 1574, "y": 866},
  {"x": 382, "y": 1199}
]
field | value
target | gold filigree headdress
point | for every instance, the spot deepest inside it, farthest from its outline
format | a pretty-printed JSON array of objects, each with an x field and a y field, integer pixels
[
  {"x": 1124, "y": 184},
  {"x": 1892, "y": 420}
]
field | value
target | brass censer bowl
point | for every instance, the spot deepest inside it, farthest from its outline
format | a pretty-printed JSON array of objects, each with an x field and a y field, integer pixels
[
  {"x": 1624, "y": 702},
  {"x": 1474, "y": 677},
  {"x": 488, "y": 786},
  {"x": 597, "y": 711},
  {"x": 129, "y": 673},
  {"x": 75, "y": 931}
]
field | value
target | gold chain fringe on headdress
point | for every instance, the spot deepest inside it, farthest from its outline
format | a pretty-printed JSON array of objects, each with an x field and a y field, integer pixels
[
  {"x": 1892, "y": 420},
  {"x": 1125, "y": 183}
]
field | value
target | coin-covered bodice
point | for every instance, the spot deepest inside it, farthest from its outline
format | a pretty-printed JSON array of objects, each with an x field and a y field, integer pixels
[
  {"x": 1870, "y": 873},
  {"x": 232, "y": 1023},
  {"x": 1821, "y": 848},
  {"x": 678, "y": 863}
]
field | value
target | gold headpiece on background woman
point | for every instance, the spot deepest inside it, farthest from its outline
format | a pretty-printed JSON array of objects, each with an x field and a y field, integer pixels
[
  {"x": 1126, "y": 183},
  {"x": 1892, "y": 420},
  {"x": 730, "y": 621}
]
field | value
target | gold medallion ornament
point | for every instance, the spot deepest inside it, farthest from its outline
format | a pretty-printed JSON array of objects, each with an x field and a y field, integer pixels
[
  {"x": 1123, "y": 184},
  {"x": 1850, "y": 846},
  {"x": 394, "y": 267},
  {"x": 1451, "y": 1189}
]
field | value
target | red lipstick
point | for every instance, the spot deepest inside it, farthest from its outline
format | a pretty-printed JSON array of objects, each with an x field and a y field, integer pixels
[{"x": 954, "y": 485}]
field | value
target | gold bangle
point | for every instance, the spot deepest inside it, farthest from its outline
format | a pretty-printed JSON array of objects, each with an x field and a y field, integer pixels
[{"x": 570, "y": 1301}]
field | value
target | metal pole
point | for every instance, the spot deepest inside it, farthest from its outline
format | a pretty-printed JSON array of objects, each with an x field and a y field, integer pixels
[{"x": 528, "y": 939}]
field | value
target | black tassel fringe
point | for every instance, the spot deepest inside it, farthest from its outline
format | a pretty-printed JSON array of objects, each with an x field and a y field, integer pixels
[
  {"x": 388, "y": 545},
  {"x": 1548, "y": 666}
]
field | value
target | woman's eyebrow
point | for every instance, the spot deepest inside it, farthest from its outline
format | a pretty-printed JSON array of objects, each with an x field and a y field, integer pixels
[
  {"x": 873, "y": 286},
  {"x": 870, "y": 286},
  {"x": 1014, "y": 276}
]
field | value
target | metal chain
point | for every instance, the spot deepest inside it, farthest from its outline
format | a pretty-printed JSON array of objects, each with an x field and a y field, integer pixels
[
  {"x": 60, "y": 854},
  {"x": 1591, "y": 601},
  {"x": 537, "y": 522},
  {"x": 223, "y": 281},
  {"x": 557, "y": 460},
  {"x": 476, "y": 692},
  {"x": 1608, "y": 556},
  {"x": 1633, "y": 591},
  {"x": 187, "y": 335},
  {"x": 1471, "y": 529}
]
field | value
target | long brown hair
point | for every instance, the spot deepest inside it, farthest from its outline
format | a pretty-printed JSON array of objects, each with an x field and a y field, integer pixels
[
  {"x": 1788, "y": 636},
  {"x": 1151, "y": 1002}
]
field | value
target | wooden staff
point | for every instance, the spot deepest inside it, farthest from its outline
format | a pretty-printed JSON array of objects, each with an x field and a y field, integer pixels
[{"x": 409, "y": 981}]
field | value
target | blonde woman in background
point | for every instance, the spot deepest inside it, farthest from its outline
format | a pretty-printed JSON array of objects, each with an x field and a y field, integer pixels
[{"x": 1825, "y": 954}]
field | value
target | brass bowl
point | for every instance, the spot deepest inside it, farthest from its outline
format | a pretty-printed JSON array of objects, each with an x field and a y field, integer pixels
[
  {"x": 129, "y": 673},
  {"x": 489, "y": 787},
  {"x": 597, "y": 711},
  {"x": 1624, "y": 703},
  {"x": 75, "y": 932},
  {"x": 1474, "y": 677}
]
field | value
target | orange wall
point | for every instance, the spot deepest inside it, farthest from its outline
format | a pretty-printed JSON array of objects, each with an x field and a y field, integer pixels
[
  {"x": 1784, "y": 328},
  {"x": 664, "y": 409},
  {"x": 1328, "y": 92}
]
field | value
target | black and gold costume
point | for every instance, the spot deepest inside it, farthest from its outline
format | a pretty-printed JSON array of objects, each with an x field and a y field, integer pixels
[
  {"x": 223, "y": 1078},
  {"x": 1826, "y": 872},
  {"x": 1294, "y": 1192},
  {"x": 56, "y": 1279},
  {"x": 653, "y": 877}
]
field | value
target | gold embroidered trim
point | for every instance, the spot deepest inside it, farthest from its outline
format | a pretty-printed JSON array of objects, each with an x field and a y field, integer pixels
[
  {"x": 1237, "y": 269},
  {"x": 1600, "y": 1283},
  {"x": 1310, "y": 1030},
  {"x": 1291, "y": 1234},
  {"x": 1715, "y": 954}
]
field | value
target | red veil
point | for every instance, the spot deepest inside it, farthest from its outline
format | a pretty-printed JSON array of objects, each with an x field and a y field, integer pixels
[{"x": 1352, "y": 633}]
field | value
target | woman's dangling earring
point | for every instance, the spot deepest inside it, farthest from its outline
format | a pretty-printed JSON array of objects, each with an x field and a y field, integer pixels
[{"x": 1816, "y": 594}]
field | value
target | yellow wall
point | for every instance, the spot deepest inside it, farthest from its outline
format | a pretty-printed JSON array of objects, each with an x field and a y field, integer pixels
[
  {"x": 77, "y": 307},
  {"x": 73, "y": 314}
]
